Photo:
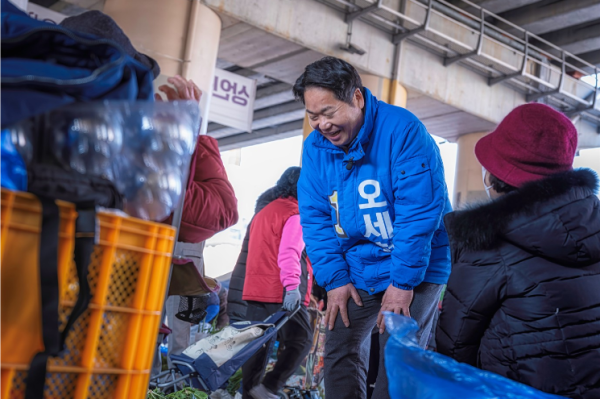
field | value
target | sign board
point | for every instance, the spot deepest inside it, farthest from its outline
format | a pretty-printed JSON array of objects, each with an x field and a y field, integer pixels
[
  {"x": 232, "y": 102},
  {"x": 44, "y": 14},
  {"x": 21, "y": 4}
]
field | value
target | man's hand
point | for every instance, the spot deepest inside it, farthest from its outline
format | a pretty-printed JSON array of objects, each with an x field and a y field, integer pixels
[
  {"x": 394, "y": 300},
  {"x": 184, "y": 90},
  {"x": 337, "y": 301}
]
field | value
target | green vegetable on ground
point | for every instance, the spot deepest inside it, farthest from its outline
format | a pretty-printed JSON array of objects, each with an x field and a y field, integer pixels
[
  {"x": 235, "y": 382},
  {"x": 185, "y": 393}
]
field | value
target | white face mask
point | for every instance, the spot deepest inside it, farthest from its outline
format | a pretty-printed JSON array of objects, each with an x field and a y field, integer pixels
[{"x": 487, "y": 188}]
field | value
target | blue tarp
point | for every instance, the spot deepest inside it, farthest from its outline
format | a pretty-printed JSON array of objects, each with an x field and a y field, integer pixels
[{"x": 417, "y": 373}]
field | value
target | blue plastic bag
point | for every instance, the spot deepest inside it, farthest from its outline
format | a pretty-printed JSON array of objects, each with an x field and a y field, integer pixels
[
  {"x": 417, "y": 373},
  {"x": 212, "y": 310},
  {"x": 13, "y": 169}
]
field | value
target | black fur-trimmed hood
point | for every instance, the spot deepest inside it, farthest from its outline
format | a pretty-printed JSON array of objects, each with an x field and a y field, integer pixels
[{"x": 538, "y": 216}]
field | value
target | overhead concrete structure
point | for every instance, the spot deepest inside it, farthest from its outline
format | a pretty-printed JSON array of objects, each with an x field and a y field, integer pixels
[
  {"x": 459, "y": 65},
  {"x": 461, "y": 75},
  {"x": 545, "y": 16},
  {"x": 279, "y": 65},
  {"x": 459, "y": 81}
]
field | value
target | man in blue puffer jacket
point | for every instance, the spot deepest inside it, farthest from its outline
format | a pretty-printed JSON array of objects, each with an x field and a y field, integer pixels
[{"x": 372, "y": 198}]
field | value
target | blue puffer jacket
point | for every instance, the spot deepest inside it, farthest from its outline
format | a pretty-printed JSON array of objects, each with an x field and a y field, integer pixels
[
  {"x": 374, "y": 216},
  {"x": 45, "y": 66}
]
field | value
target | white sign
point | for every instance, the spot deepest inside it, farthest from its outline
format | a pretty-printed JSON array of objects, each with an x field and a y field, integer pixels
[
  {"x": 232, "y": 102},
  {"x": 44, "y": 14},
  {"x": 21, "y": 4}
]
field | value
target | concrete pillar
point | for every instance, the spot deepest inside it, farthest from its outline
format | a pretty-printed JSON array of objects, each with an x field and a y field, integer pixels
[
  {"x": 306, "y": 128},
  {"x": 468, "y": 183},
  {"x": 181, "y": 35},
  {"x": 385, "y": 89}
]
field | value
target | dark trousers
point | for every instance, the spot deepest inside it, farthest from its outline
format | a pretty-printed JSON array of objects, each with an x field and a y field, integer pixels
[
  {"x": 295, "y": 339},
  {"x": 347, "y": 349},
  {"x": 373, "y": 364}
]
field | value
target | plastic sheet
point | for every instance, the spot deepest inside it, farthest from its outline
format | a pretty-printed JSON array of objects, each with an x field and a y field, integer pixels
[
  {"x": 417, "y": 373},
  {"x": 14, "y": 171},
  {"x": 143, "y": 147}
]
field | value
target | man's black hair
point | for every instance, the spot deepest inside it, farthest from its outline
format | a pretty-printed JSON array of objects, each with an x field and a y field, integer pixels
[{"x": 332, "y": 74}]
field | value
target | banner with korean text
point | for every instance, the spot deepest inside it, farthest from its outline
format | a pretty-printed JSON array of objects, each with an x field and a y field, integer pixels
[
  {"x": 232, "y": 102},
  {"x": 44, "y": 14}
]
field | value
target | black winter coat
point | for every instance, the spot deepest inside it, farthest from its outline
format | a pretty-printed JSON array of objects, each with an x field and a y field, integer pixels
[
  {"x": 236, "y": 306},
  {"x": 523, "y": 299}
]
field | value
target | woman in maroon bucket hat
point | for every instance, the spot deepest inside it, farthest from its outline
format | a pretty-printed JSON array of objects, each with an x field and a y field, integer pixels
[
  {"x": 523, "y": 299},
  {"x": 533, "y": 142}
]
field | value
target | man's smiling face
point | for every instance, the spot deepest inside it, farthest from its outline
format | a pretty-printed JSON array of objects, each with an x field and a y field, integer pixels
[{"x": 338, "y": 121}]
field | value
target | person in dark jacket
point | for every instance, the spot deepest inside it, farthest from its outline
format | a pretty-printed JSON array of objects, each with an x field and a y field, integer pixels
[
  {"x": 273, "y": 272},
  {"x": 236, "y": 306},
  {"x": 523, "y": 299}
]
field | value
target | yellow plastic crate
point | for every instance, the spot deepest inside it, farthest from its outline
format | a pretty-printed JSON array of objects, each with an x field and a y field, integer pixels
[{"x": 109, "y": 349}]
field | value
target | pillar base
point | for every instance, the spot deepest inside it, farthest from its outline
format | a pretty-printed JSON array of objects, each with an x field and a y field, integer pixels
[
  {"x": 468, "y": 183},
  {"x": 386, "y": 90}
]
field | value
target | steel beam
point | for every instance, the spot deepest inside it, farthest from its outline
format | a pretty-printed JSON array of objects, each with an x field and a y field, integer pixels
[
  {"x": 397, "y": 38},
  {"x": 550, "y": 15},
  {"x": 451, "y": 60},
  {"x": 499, "y": 6},
  {"x": 262, "y": 136},
  {"x": 536, "y": 96},
  {"x": 576, "y": 39},
  {"x": 276, "y": 94},
  {"x": 351, "y": 16},
  {"x": 271, "y": 116},
  {"x": 496, "y": 80}
]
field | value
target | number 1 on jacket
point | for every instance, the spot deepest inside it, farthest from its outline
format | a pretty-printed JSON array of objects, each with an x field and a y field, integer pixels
[{"x": 333, "y": 200}]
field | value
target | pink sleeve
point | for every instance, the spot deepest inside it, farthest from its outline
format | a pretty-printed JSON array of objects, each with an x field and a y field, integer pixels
[{"x": 290, "y": 251}]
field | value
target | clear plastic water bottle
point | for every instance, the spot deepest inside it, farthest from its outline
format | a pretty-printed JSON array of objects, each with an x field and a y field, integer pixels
[
  {"x": 163, "y": 148},
  {"x": 144, "y": 148},
  {"x": 21, "y": 137},
  {"x": 88, "y": 141}
]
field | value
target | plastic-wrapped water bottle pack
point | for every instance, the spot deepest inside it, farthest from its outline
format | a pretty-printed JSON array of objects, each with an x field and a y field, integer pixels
[{"x": 144, "y": 148}]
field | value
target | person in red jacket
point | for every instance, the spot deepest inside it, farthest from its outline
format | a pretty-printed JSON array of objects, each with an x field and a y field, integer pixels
[
  {"x": 278, "y": 274},
  {"x": 210, "y": 206},
  {"x": 210, "y": 203}
]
